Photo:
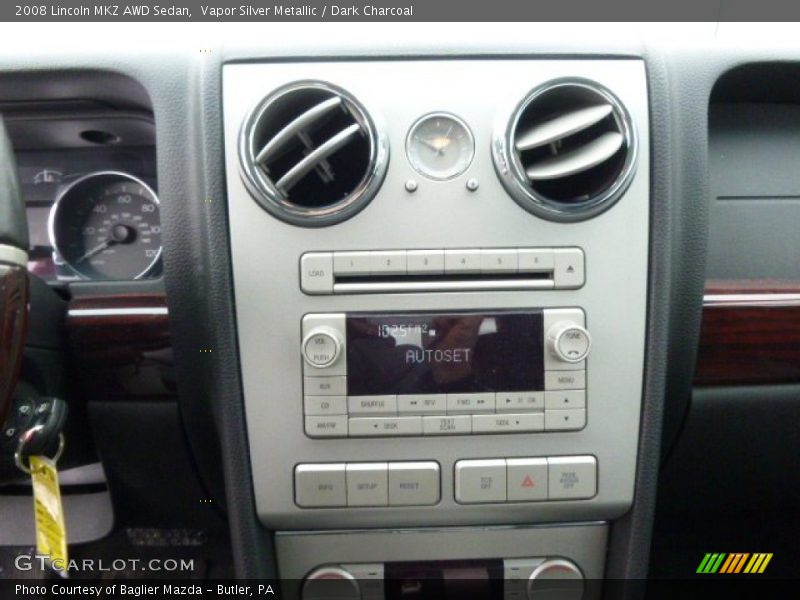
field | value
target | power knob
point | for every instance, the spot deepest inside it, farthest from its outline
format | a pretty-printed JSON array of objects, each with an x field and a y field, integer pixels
[
  {"x": 569, "y": 342},
  {"x": 556, "y": 579},
  {"x": 331, "y": 583},
  {"x": 322, "y": 346}
]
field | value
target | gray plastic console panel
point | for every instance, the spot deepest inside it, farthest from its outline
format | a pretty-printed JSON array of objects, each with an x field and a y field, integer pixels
[
  {"x": 300, "y": 552},
  {"x": 270, "y": 304}
]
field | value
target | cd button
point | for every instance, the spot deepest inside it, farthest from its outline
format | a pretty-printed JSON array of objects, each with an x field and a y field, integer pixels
[{"x": 325, "y": 405}]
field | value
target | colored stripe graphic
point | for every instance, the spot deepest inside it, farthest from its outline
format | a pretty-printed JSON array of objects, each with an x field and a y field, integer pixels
[
  {"x": 723, "y": 563},
  {"x": 711, "y": 562}
]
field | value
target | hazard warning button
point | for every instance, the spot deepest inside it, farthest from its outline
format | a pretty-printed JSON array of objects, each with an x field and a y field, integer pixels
[{"x": 526, "y": 479}]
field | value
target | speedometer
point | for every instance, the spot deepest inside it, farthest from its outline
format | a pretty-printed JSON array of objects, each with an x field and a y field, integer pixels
[{"x": 106, "y": 225}]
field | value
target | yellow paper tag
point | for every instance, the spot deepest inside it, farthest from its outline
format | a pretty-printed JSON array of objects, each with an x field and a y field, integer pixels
[{"x": 51, "y": 535}]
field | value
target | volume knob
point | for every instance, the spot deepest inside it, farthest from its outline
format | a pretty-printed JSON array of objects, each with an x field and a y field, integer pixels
[
  {"x": 321, "y": 347},
  {"x": 569, "y": 342},
  {"x": 331, "y": 583},
  {"x": 556, "y": 579}
]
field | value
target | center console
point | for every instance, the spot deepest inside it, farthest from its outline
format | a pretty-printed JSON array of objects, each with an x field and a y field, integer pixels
[{"x": 442, "y": 343}]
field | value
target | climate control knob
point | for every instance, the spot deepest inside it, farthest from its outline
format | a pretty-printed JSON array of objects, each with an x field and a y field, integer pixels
[
  {"x": 556, "y": 579},
  {"x": 322, "y": 346},
  {"x": 569, "y": 342},
  {"x": 331, "y": 583}
]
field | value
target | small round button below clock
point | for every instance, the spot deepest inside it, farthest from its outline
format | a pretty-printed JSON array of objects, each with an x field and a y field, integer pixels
[
  {"x": 321, "y": 347},
  {"x": 569, "y": 342}
]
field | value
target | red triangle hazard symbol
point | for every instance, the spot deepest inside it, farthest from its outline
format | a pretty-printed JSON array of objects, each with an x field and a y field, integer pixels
[{"x": 528, "y": 481}]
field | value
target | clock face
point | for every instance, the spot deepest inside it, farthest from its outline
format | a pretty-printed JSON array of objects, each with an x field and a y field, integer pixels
[{"x": 440, "y": 146}]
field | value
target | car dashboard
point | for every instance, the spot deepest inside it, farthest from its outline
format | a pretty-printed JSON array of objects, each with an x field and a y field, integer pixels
[{"x": 405, "y": 313}]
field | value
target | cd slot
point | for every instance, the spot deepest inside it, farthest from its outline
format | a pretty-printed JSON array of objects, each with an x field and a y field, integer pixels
[
  {"x": 442, "y": 270},
  {"x": 365, "y": 284}
]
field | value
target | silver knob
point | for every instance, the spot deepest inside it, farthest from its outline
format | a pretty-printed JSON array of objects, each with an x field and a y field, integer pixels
[
  {"x": 556, "y": 579},
  {"x": 331, "y": 583},
  {"x": 569, "y": 342},
  {"x": 322, "y": 346}
]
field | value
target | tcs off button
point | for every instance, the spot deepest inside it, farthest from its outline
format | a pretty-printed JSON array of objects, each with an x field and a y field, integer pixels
[{"x": 321, "y": 347}]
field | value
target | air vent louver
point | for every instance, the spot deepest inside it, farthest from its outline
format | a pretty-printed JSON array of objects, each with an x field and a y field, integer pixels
[
  {"x": 568, "y": 152},
  {"x": 311, "y": 155}
]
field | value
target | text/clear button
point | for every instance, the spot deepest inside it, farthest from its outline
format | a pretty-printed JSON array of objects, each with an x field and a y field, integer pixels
[{"x": 455, "y": 425}]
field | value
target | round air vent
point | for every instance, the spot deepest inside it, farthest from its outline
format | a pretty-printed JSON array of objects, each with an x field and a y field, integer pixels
[
  {"x": 568, "y": 152},
  {"x": 311, "y": 155}
]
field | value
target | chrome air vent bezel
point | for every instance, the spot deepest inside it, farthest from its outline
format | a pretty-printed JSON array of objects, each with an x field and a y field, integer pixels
[
  {"x": 512, "y": 174},
  {"x": 265, "y": 191}
]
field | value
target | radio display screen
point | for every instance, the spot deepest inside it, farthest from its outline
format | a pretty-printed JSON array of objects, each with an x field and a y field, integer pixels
[{"x": 435, "y": 353}]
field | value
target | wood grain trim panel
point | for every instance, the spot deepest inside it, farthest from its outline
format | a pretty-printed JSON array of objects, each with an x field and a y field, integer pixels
[
  {"x": 750, "y": 333},
  {"x": 122, "y": 345}
]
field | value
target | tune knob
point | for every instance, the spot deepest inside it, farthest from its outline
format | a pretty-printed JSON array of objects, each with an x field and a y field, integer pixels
[
  {"x": 322, "y": 346},
  {"x": 556, "y": 579},
  {"x": 569, "y": 342},
  {"x": 331, "y": 583}
]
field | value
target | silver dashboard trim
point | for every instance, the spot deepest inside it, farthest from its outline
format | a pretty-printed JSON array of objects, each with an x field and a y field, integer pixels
[{"x": 755, "y": 300}]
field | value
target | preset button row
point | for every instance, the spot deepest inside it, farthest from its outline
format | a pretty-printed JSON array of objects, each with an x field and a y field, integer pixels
[{"x": 525, "y": 479}]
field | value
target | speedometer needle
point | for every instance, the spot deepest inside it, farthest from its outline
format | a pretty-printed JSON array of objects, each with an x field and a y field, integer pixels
[{"x": 96, "y": 250}]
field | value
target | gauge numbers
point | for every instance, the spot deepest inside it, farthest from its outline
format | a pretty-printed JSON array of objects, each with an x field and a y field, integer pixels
[
  {"x": 107, "y": 226},
  {"x": 440, "y": 146}
]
